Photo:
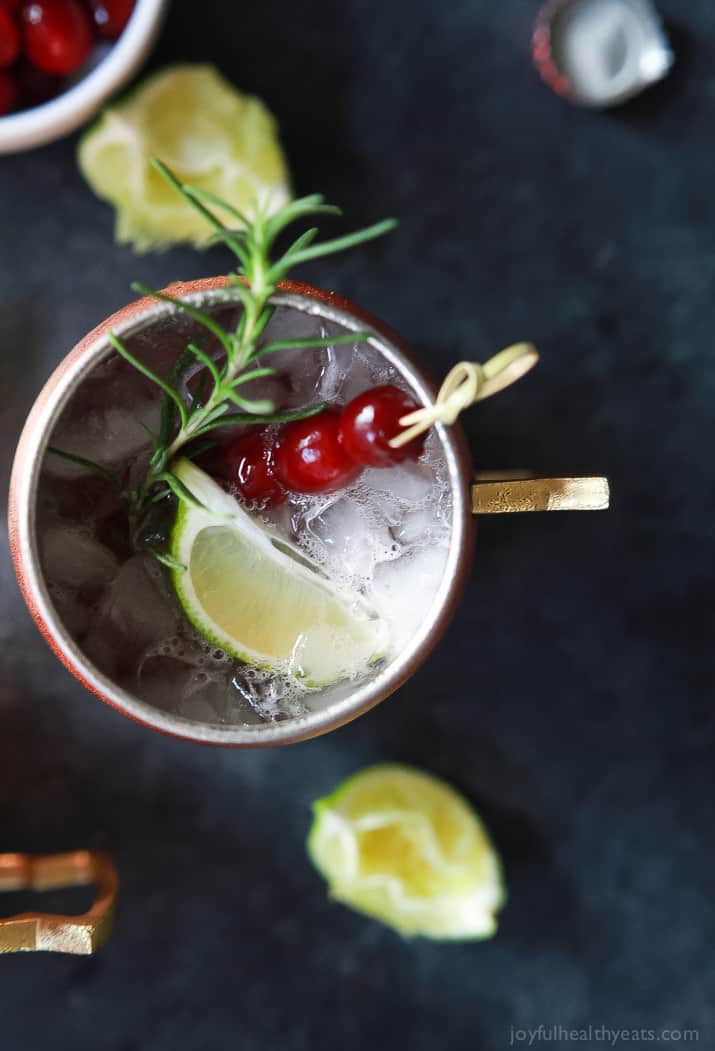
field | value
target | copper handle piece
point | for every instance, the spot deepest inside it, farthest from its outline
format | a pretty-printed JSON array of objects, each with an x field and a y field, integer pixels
[
  {"x": 44, "y": 932},
  {"x": 505, "y": 492}
]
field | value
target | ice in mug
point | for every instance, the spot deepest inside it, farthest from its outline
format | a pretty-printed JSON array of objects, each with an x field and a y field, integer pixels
[{"x": 385, "y": 536}]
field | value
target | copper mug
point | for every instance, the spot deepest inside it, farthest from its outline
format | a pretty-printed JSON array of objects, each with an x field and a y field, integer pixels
[{"x": 135, "y": 324}]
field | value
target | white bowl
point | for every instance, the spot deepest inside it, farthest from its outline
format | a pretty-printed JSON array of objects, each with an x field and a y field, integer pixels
[{"x": 71, "y": 108}]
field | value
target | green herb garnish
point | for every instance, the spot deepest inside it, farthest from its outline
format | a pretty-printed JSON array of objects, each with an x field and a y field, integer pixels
[{"x": 218, "y": 400}]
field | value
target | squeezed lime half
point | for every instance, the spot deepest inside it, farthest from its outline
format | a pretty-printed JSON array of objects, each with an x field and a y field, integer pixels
[
  {"x": 206, "y": 131},
  {"x": 403, "y": 847}
]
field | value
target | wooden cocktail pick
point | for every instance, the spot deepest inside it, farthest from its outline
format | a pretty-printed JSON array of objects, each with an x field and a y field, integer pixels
[{"x": 502, "y": 492}]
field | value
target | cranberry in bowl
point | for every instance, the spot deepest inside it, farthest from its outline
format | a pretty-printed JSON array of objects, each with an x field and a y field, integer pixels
[{"x": 61, "y": 59}]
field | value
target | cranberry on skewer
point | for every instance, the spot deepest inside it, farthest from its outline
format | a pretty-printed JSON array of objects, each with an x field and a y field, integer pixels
[
  {"x": 371, "y": 420},
  {"x": 246, "y": 461},
  {"x": 309, "y": 457}
]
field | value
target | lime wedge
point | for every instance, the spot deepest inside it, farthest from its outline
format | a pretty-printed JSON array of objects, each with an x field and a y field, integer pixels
[
  {"x": 256, "y": 596},
  {"x": 212, "y": 136},
  {"x": 403, "y": 847}
]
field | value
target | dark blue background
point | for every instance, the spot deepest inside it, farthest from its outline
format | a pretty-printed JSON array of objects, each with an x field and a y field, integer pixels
[{"x": 572, "y": 699}]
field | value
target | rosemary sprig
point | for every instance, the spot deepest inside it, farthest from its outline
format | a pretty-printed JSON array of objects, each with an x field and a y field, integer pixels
[{"x": 218, "y": 399}]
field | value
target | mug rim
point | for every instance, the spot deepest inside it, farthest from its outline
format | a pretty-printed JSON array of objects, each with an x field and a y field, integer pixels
[{"x": 43, "y": 416}]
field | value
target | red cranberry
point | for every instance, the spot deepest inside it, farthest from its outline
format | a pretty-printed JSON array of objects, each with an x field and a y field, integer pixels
[
  {"x": 57, "y": 33},
  {"x": 371, "y": 420},
  {"x": 110, "y": 16},
  {"x": 308, "y": 456},
  {"x": 9, "y": 38},
  {"x": 247, "y": 462},
  {"x": 8, "y": 92}
]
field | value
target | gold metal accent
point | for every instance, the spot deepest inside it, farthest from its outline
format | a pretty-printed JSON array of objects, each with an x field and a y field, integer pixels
[
  {"x": 465, "y": 384},
  {"x": 513, "y": 491},
  {"x": 44, "y": 932}
]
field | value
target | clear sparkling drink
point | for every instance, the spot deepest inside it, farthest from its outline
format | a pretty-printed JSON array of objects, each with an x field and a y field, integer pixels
[{"x": 385, "y": 536}]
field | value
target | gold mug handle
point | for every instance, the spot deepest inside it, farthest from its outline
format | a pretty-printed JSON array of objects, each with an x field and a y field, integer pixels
[
  {"x": 45, "y": 932},
  {"x": 505, "y": 492}
]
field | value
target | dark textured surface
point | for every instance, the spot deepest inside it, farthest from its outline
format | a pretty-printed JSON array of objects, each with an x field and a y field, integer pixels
[{"x": 572, "y": 698}]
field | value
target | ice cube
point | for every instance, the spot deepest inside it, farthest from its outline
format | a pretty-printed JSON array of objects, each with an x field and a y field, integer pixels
[
  {"x": 70, "y": 556},
  {"x": 103, "y": 652},
  {"x": 288, "y": 323},
  {"x": 73, "y": 613},
  {"x": 418, "y": 528},
  {"x": 359, "y": 373},
  {"x": 347, "y": 371},
  {"x": 191, "y": 677},
  {"x": 107, "y": 436},
  {"x": 403, "y": 591},
  {"x": 136, "y": 612},
  {"x": 410, "y": 483},
  {"x": 140, "y": 605},
  {"x": 304, "y": 509},
  {"x": 270, "y": 697},
  {"x": 161, "y": 681},
  {"x": 277, "y": 389},
  {"x": 332, "y": 376},
  {"x": 349, "y": 541},
  {"x": 298, "y": 371},
  {"x": 84, "y": 499},
  {"x": 205, "y": 697}
]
